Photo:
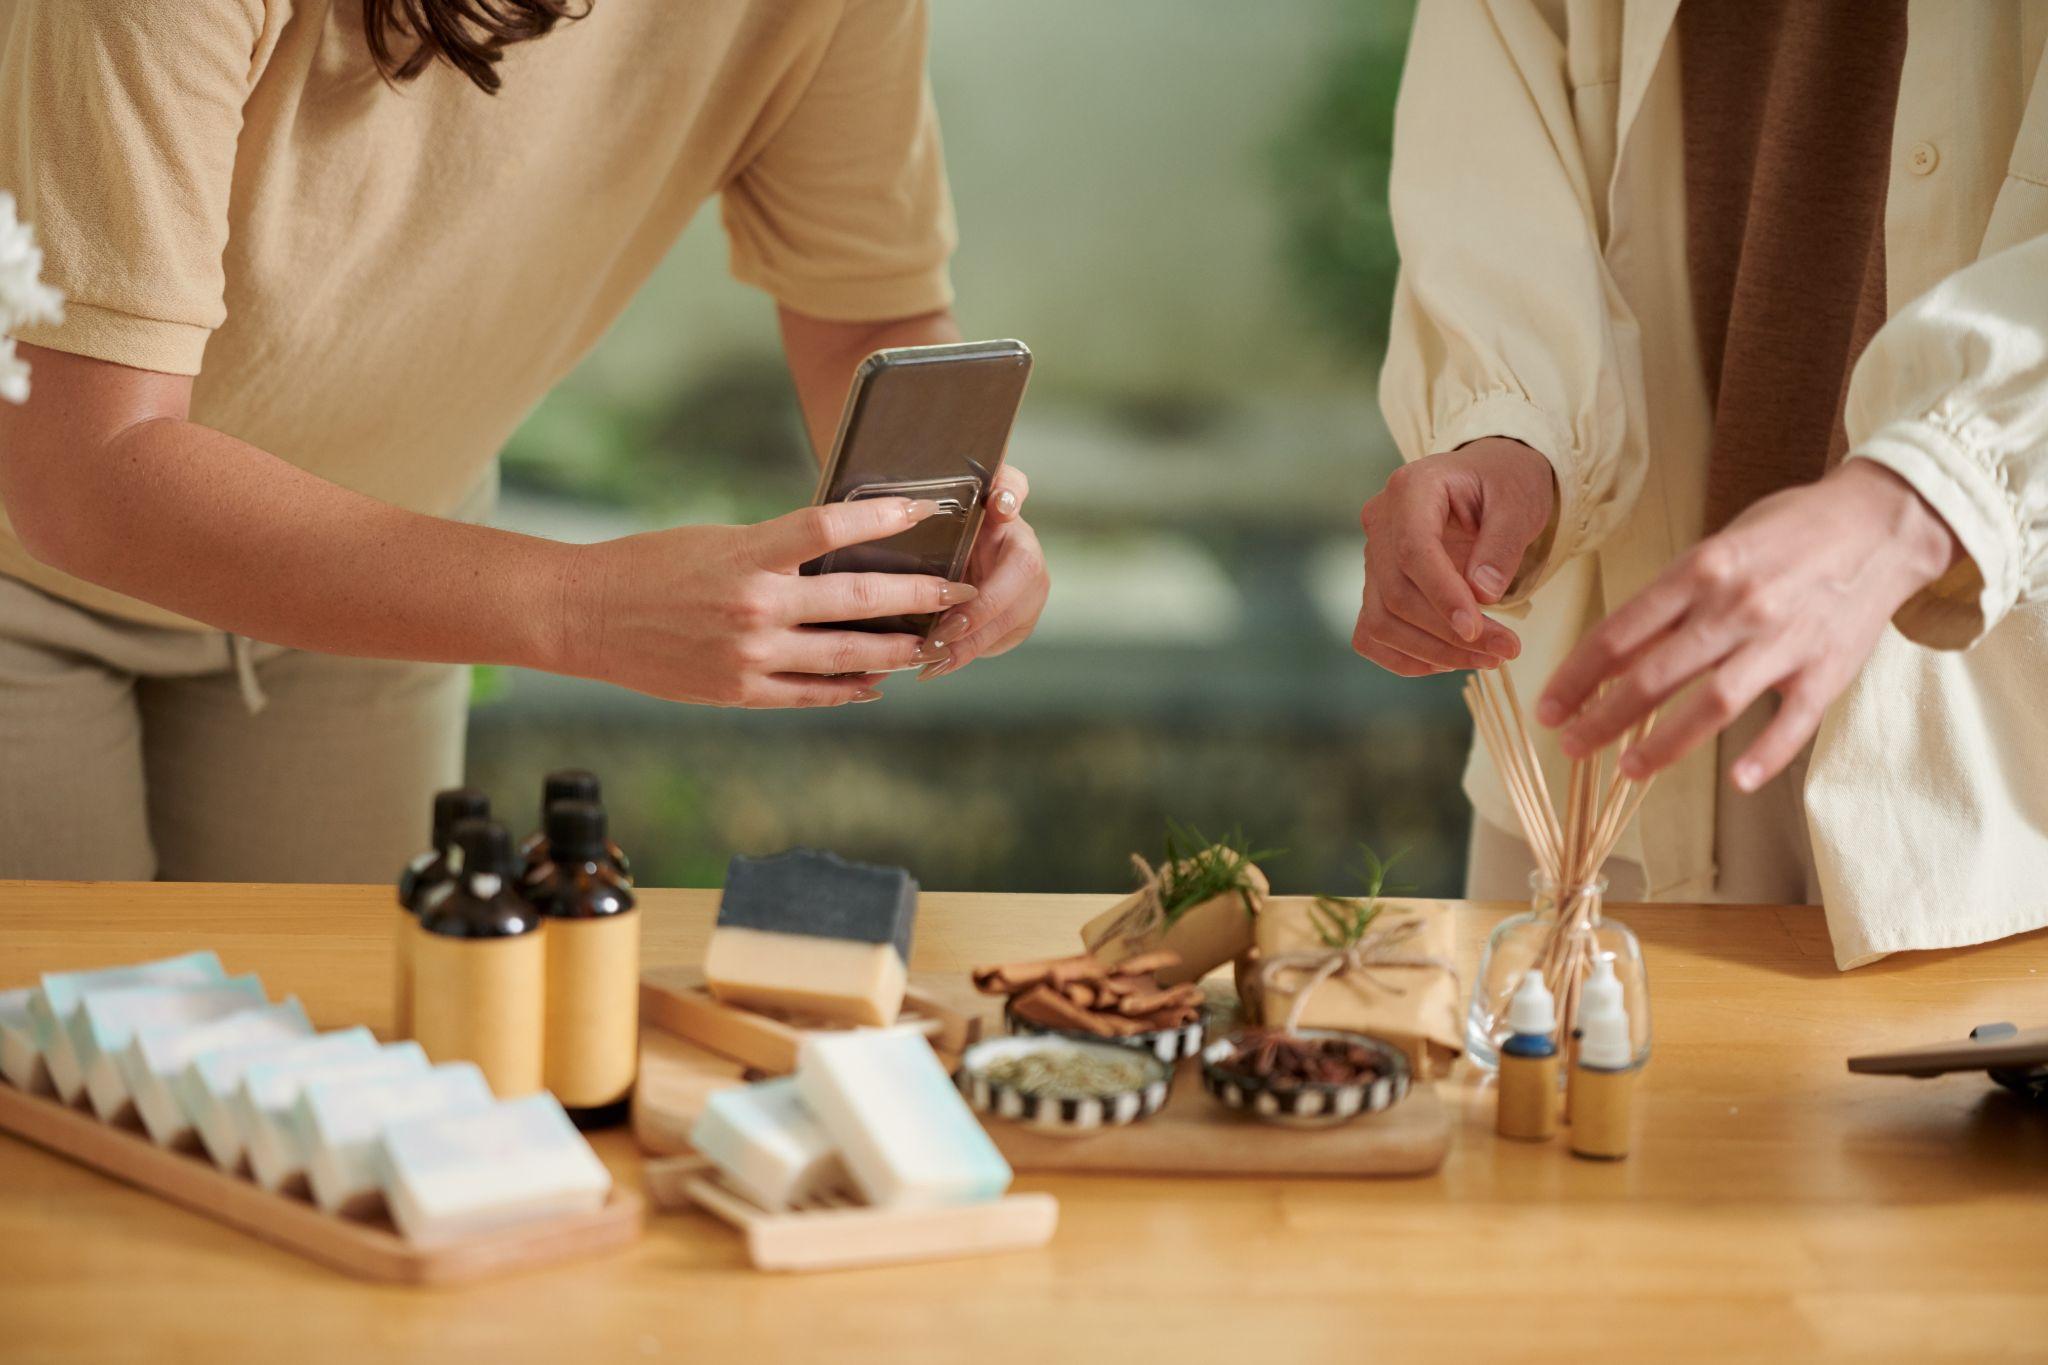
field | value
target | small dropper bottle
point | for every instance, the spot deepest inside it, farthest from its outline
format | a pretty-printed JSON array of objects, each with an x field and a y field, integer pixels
[
  {"x": 480, "y": 967},
  {"x": 567, "y": 784},
  {"x": 421, "y": 876},
  {"x": 1603, "y": 1078},
  {"x": 1528, "y": 1065},
  {"x": 593, "y": 981}
]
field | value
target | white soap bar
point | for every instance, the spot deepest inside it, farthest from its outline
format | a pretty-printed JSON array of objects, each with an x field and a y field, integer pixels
[
  {"x": 769, "y": 1145},
  {"x": 154, "y": 1059},
  {"x": 455, "y": 1174},
  {"x": 909, "y": 1138},
  {"x": 207, "y": 1089},
  {"x": 21, "y": 1061},
  {"x": 263, "y": 1106},
  {"x": 108, "y": 1020},
  {"x": 338, "y": 1122},
  {"x": 56, "y": 1000}
]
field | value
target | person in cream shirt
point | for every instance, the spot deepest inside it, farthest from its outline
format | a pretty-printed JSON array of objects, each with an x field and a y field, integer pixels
[
  {"x": 1720, "y": 369},
  {"x": 318, "y": 264}
]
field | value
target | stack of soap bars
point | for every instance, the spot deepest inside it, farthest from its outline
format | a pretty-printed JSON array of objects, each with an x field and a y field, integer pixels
[{"x": 205, "y": 1062}]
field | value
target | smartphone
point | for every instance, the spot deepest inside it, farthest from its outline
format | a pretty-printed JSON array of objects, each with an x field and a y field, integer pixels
[{"x": 926, "y": 422}]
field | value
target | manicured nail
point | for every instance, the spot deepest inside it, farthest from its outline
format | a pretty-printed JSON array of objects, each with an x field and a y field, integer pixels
[
  {"x": 939, "y": 670},
  {"x": 920, "y": 508},
  {"x": 929, "y": 652},
  {"x": 1748, "y": 776},
  {"x": 950, "y": 628},
  {"x": 870, "y": 695},
  {"x": 1549, "y": 712},
  {"x": 1466, "y": 624},
  {"x": 1489, "y": 580},
  {"x": 953, "y": 594},
  {"x": 1006, "y": 503}
]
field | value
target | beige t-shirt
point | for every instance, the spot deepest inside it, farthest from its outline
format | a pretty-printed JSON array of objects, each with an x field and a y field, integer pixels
[{"x": 377, "y": 283}]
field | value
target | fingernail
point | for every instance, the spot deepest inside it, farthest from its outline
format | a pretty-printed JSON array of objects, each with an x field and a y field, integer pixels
[
  {"x": 1747, "y": 776},
  {"x": 1006, "y": 503},
  {"x": 920, "y": 508},
  {"x": 939, "y": 670},
  {"x": 1466, "y": 624},
  {"x": 953, "y": 594},
  {"x": 870, "y": 695},
  {"x": 929, "y": 652},
  {"x": 1489, "y": 580},
  {"x": 1549, "y": 712},
  {"x": 950, "y": 628}
]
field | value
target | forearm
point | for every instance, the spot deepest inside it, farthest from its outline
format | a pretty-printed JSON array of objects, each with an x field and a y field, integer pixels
[
  {"x": 823, "y": 356},
  {"x": 184, "y": 517}
]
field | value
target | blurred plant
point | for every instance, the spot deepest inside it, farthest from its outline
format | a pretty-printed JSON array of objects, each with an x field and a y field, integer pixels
[
  {"x": 24, "y": 298},
  {"x": 1330, "y": 172}
]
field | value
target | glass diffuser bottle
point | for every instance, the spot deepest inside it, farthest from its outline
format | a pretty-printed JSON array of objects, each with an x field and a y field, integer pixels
[{"x": 1561, "y": 935}]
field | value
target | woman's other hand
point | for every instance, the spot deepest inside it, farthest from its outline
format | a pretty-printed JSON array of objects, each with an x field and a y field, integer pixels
[{"x": 1009, "y": 569}]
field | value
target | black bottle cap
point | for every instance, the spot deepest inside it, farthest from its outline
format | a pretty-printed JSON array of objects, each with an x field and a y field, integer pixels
[
  {"x": 569, "y": 784},
  {"x": 455, "y": 805},
  {"x": 575, "y": 832},
  {"x": 486, "y": 848}
]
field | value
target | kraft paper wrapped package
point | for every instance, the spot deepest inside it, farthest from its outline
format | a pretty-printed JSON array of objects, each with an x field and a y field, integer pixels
[
  {"x": 1204, "y": 935},
  {"x": 1400, "y": 984}
]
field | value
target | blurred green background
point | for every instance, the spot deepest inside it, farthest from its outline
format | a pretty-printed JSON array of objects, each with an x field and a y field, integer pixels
[{"x": 1180, "y": 205}]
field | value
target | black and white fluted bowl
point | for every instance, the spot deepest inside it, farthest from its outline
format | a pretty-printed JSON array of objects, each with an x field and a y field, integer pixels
[
  {"x": 1314, "y": 1104},
  {"x": 1169, "y": 1045},
  {"x": 1060, "y": 1116}
]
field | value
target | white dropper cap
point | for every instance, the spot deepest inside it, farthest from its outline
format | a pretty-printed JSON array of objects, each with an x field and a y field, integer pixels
[
  {"x": 1603, "y": 1020},
  {"x": 1532, "y": 1010}
]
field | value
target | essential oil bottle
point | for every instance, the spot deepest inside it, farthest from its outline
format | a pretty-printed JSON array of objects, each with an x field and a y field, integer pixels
[
  {"x": 480, "y": 966},
  {"x": 593, "y": 970},
  {"x": 424, "y": 873},
  {"x": 1528, "y": 1065},
  {"x": 568, "y": 784}
]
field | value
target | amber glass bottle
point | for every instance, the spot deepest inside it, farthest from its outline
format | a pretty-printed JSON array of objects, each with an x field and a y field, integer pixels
[
  {"x": 568, "y": 784},
  {"x": 593, "y": 967},
  {"x": 421, "y": 876},
  {"x": 480, "y": 967}
]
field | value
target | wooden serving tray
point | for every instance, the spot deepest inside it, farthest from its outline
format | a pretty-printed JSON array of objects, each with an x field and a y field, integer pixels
[
  {"x": 674, "y": 998},
  {"x": 1193, "y": 1135},
  {"x": 369, "y": 1249},
  {"x": 841, "y": 1234}
]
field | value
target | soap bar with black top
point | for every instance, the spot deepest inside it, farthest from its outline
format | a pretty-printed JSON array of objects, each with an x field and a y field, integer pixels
[{"x": 812, "y": 935}]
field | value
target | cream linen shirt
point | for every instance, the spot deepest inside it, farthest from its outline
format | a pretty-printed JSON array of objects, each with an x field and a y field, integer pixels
[{"x": 1539, "y": 201}]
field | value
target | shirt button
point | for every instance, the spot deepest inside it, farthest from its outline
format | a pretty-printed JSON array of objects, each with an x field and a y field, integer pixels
[{"x": 1923, "y": 158}]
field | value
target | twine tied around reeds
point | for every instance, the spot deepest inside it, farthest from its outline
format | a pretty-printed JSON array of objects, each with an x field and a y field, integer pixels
[
  {"x": 1146, "y": 915},
  {"x": 1359, "y": 961}
]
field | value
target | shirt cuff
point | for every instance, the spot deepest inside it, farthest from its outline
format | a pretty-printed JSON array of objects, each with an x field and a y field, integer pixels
[
  {"x": 877, "y": 299},
  {"x": 122, "y": 339},
  {"x": 1963, "y": 486},
  {"x": 1509, "y": 415}
]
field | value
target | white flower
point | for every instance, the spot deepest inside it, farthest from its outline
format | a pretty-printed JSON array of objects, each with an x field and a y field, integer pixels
[{"x": 24, "y": 298}]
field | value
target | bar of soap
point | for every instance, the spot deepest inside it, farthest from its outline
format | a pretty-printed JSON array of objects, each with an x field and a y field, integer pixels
[
  {"x": 21, "y": 1061},
  {"x": 337, "y": 1123},
  {"x": 270, "y": 1091},
  {"x": 811, "y": 934},
  {"x": 207, "y": 1089},
  {"x": 59, "y": 995},
  {"x": 154, "y": 1059},
  {"x": 769, "y": 1145},
  {"x": 450, "y": 1175},
  {"x": 108, "y": 1020},
  {"x": 908, "y": 1137}
]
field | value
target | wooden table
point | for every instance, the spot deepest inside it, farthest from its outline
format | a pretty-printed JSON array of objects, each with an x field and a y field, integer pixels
[{"x": 1775, "y": 1207}]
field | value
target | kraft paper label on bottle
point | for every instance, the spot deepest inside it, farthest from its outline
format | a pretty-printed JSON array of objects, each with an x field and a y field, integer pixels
[
  {"x": 593, "y": 1008},
  {"x": 480, "y": 1000}
]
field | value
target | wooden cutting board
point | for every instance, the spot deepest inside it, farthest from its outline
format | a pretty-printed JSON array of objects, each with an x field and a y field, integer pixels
[{"x": 1193, "y": 1135}]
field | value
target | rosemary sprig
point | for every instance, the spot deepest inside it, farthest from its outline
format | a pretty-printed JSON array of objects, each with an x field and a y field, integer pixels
[
  {"x": 1198, "y": 869},
  {"x": 1341, "y": 921}
]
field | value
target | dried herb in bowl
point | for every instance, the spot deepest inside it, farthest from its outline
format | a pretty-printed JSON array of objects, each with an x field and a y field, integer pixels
[{"x": 1072, "y": 1073}]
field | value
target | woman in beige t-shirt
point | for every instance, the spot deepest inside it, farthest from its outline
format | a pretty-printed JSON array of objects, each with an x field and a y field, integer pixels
[{"x": 321, "y": 257}]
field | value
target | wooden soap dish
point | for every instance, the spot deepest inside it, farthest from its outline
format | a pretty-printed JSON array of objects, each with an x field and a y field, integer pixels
[
  {"x": 675, "y": 999},
  {"x": 372, "y": 1250},
  {"x": 838, "y": 1234}
]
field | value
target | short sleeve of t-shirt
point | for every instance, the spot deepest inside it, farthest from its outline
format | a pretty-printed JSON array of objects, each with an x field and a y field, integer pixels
[
  {"x": 844, "y": 213},
  {"x": 118, "y": 125}
]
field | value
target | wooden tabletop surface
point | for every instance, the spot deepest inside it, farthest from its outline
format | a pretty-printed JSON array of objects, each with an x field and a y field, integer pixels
[{"x": 1775, "y": 1207}]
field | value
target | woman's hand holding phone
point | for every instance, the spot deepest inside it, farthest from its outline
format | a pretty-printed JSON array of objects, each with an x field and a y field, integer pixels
[
  {"x": 1009, "y": 568},
  {"x": 720, "y": 615}
]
